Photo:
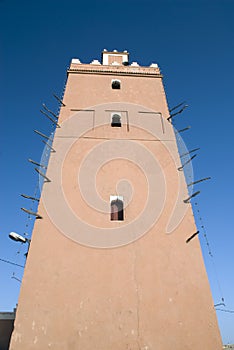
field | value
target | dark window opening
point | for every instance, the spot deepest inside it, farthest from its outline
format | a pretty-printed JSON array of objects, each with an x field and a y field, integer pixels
[
  {"x": 115, "y": 84},
  {"x": 117, "y": 210},
  {"x": 116, "y": 121}
]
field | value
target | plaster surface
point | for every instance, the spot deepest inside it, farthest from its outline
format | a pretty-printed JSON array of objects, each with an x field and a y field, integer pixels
[{"x": 92, "y": 283}]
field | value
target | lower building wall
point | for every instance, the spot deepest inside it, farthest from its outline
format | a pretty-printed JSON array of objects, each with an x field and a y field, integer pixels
[{"x": 151, "y": 293}]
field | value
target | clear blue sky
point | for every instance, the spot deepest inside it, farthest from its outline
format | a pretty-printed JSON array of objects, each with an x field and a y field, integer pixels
[{"x": 191, "y": 40}]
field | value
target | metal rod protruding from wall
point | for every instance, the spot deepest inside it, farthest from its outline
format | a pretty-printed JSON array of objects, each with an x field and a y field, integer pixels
[
  {"x": 220, "y": 304},
  {"x": 181, "y": 130},
  {"x": 193, "y": 150},
  {"x": 51, "y": 119},
  {"x": 29, "y": 197},
  {"x": 181, "y": 167},
  {"x": 17, "y": 279},
  {"x": 177, "y": 106},
  {"x": 57, "y": 98},
  {"x": 43, "y": 135},
  {"x": 48, "y": 110},
  {"x": 32, "y": 213},
  {"x": 33, "y": 162},
  {"x": 180, "y": 111},
  {"x": 193, "y": 195},
  {"x": 191, "y": 237},
  {"x": 50, "y": 147},
  {"x": 43, "y": 175},
  {"x": 196, "y": 182}
]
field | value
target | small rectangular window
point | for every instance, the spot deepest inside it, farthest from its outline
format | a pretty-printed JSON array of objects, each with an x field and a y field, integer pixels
[
  {"x": 116, "y": 120},
  {"x": 117, "y": 208},
  {"x": 115, "y": 84}
]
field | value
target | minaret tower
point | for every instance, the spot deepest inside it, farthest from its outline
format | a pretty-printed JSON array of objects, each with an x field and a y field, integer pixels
[{"x": 111, "y": 265}]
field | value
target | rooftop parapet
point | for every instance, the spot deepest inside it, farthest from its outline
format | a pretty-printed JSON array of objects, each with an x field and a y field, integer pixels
[{"x": 113, "y": 62}]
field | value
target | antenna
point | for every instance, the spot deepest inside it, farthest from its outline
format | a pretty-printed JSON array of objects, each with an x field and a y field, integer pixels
[
  {"x": 60, "y": 101},
  {"x": 51, "y": 119}
]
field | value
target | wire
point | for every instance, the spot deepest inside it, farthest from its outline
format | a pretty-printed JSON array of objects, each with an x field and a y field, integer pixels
[
  {"x": 209, "y": 252},
  {"x": 190, "y": 182},
  {"x": 10, "y": 262},
  {"x": 204, "y": 231},
  {"x": 230, "y": 311}
]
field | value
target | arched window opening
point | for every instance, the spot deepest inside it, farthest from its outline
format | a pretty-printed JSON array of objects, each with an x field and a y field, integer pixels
[
  {"x": 117, "y": 213},
  {"x": 116, "y": 120},
  {"x": 115, "y": 84}
]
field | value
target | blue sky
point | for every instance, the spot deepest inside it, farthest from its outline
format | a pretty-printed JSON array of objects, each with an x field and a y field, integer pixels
[{"x": 192, "y": 41}]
